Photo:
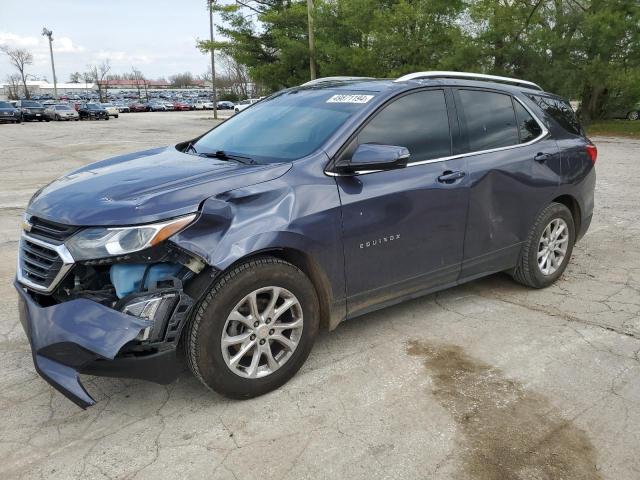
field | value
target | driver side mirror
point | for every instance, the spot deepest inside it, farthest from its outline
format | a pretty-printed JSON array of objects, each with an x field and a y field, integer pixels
[{"x": 371, "y": 157}]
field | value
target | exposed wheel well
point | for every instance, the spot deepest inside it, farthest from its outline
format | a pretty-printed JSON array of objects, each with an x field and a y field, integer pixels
[
  {"x": 311, "y": 269},
  {"x": 572, "y": 204}
]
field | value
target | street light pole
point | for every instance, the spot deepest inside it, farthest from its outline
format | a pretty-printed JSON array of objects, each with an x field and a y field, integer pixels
[
  {"x": 312, "y": 41},
  {"x": 213, "y": 62},
  {"x": 49, "y": 33}
]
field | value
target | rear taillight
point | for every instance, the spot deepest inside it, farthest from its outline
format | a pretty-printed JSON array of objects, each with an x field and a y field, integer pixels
[{"x": 592, "y": 151}]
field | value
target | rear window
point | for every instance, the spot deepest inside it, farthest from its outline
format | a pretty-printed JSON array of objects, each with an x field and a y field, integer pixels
[
  {"x": 528, "y": 128},
  {"x": 490, "y": 118},
  {"x": 560, "y": 111}
]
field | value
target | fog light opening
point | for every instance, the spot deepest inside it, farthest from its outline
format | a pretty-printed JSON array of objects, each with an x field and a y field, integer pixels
[{"x": 154, "y": 308}]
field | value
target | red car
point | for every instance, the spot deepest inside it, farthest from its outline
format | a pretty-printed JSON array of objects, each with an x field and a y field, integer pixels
[
  {"x": 138, "y": 107},
  {"x": 181, "y": 106}
]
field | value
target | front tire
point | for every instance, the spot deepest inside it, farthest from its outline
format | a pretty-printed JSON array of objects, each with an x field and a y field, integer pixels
[
  {"x": 254, "y": 329},
  {"x": 548, "y": 248},
  {"x": 633, "y": 115}
]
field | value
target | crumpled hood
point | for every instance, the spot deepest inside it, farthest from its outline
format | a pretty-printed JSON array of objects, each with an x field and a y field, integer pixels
[{"x": 143, "y": 187}]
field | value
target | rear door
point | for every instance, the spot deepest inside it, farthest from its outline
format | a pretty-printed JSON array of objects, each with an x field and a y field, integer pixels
[
  {"x": 514, "y": 171},
  {"x": 403, "y": 229}
]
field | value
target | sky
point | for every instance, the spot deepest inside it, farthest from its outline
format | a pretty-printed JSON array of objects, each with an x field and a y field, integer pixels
[{"x": 156, "y": 36}]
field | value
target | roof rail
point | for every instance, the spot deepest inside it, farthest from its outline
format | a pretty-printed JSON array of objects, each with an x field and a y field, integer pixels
[
  {"x": 471, "y": 76},
  {"x": 333, "y": 79}
]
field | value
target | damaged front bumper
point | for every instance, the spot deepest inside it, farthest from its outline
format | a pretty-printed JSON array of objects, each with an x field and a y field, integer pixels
[{"x": 83, "y": 336}]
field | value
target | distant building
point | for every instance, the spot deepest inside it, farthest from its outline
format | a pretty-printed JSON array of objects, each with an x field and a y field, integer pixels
[
  {"x": 134, "y": 84},
  {"x": 150, "y": 84},
  {"x": 42, "y": 87}
]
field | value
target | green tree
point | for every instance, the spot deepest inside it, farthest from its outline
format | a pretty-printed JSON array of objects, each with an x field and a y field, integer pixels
[{"x": 581, "y": 49}]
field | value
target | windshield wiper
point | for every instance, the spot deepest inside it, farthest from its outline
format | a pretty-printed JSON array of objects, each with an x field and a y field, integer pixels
[
  {"x": 222, "y": 155},
  {"x": 190, "y": 148}
]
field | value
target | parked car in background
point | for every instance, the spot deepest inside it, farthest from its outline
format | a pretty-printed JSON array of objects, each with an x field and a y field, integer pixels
[
  {"x": 138, "y": 107},
  {"x": 111, "y": 109},
  {"x": 9, "y": 113},
  {"x": 629, "y": 112},
  {"x": 31, "y": 110},
  {"x": 168, "y": 106},
  {"x": 156, "y": 107},
  {"x": 61, "y": 112},
  {"x": 92, "y": 111},
  {"x": 122, "y": 107},
  {"x": 225, "y": 105},
  {"x": 241, "y": 105},
  {"x": 181, "y": 106},
  {"x": 203, "y": 105}
]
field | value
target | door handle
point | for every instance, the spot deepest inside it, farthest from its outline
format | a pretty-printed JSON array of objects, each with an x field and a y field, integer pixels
[
  {"x": 542, "y": 157},
  {"x": 449, "y": 176}
]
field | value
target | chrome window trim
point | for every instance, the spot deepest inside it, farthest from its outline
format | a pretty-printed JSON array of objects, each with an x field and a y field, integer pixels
[
  {"x": 63, "y": 253},
  {"x": 542, "y": 135}
]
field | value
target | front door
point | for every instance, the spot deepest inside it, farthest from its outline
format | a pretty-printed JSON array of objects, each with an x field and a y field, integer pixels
[{"x": 404, "y": 229}]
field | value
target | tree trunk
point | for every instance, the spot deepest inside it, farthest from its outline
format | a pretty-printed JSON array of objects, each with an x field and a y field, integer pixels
[
  {"x": 591, "y": 102},
  {"x": 24, "y": 83}
]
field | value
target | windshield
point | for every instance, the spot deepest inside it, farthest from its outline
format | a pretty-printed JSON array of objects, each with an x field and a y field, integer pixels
[
  {"x": 5, "y": 105},
  {"x": 286, "y": 127},
  {"x": 63, "y": 107},
  {"x": 30, "y": 104}
]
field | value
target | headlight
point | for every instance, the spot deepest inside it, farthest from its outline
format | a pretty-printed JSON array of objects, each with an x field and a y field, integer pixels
[{"x": 101, "y": 242}]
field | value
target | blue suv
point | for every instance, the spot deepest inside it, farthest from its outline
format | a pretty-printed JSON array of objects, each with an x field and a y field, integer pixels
[{"x": 315, "y": 205}]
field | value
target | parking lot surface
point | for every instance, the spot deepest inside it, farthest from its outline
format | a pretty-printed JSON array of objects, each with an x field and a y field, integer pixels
[{"x": 489, "y": 380}]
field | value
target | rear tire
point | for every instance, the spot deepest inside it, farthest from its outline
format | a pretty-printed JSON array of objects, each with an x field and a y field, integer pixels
[
  {"x": 212, "y": 363},
  {"x": 535, "y": 268},
  {"x": 633, "y": 115}
]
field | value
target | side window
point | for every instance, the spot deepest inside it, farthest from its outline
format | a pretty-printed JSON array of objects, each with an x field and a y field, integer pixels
[
  {"x": 560, "y": 111},
  {"x": 490, "y": 118},
  {"x": 417, "y": 121},
  {"x": 527, "y": 126}
]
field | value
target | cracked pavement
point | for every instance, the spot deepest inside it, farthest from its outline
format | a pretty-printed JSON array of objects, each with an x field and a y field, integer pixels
[{"x": 412, "y": 391}]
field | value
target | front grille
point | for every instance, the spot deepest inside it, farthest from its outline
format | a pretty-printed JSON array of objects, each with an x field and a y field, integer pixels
[
  {"x": 51, "y": 230},
  {"x": 40, "y": 265}
]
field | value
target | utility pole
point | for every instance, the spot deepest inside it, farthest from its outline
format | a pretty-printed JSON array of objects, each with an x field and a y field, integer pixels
[
  {"x": 49, "y": 33},
  {"x": 213, "y": 61},
  {"x": 312, "y": 41}
]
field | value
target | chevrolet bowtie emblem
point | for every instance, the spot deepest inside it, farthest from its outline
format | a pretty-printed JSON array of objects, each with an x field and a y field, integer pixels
[{"x": 26, "y": 226}]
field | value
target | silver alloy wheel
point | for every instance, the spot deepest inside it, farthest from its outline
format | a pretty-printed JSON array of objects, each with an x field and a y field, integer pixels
[
  {"x": 262, "y": 332},
  {"x": 552, "y": 248}
]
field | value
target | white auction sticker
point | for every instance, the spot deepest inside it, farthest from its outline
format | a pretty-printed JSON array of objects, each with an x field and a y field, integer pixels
[{"x": 350, "y": 99}]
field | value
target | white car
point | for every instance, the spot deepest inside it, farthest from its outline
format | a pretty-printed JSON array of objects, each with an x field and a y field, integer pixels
[
  {"x": 111, "y": 109},
  {"x": 242, "y": 104},
  {"x": 203, "y": 105}
]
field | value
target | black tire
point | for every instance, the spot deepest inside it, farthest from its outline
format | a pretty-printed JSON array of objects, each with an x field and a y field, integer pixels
[
  {"x": 57, "y": 118},
  {"x": 527, "y": 271},
  {"x": 204, "y": 332},
  {"x": 116, "y": 116}
]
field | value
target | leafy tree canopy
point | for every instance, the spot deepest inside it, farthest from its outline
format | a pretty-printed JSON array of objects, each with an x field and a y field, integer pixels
[{"x": 581, "y": 49}]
